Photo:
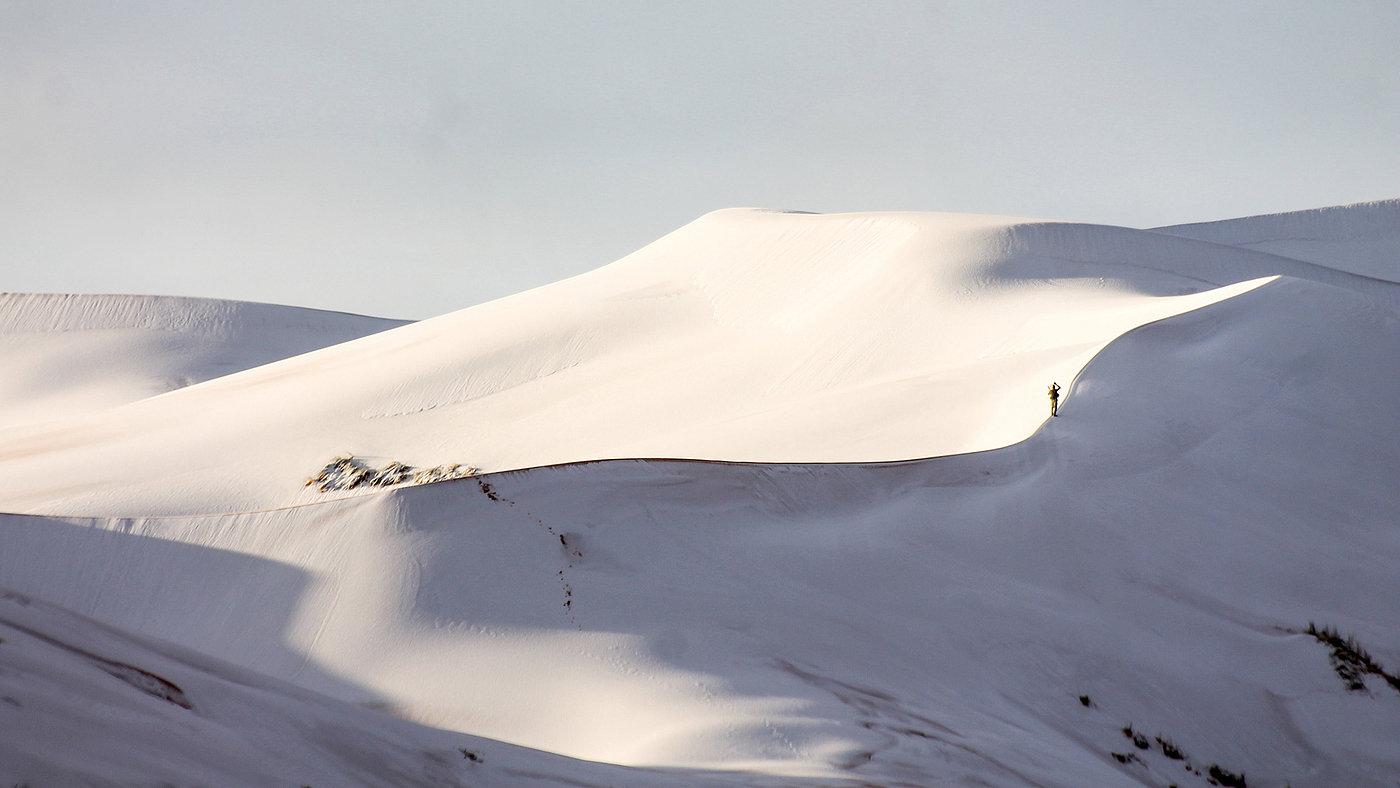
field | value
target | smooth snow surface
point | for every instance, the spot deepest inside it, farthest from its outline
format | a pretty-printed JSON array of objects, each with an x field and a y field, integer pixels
[
  {"x": 747, "y": 335},
  {"x": 1223, "y": 472},
  {"x": 1361, "y": 238},
  {"x": 76, "y": 709},
  {"x": 66, "y": 355}
]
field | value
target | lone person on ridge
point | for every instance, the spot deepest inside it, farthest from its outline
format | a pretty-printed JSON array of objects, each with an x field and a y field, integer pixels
[{"x": 1054, "y": 398}]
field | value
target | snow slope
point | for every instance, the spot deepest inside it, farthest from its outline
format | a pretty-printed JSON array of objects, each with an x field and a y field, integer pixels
[
  {"x": 1223, "y": 472},
  {"x": 747, "y": 335},
  {"x": 1363, "y": 238},
  {"x": 1217, "y": 480},
  {"x": 68, "y": 355},
  {"x": 84, "y": 704}
]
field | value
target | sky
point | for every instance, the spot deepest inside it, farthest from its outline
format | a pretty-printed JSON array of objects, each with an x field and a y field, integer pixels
[{"x": 411, "y": 158}]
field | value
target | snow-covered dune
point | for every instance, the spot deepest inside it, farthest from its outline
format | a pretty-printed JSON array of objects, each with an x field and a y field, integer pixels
[
  {"x": 1147, "y": 562},
  {"x": 67, "y": 355},
  {"x": 84, "y": 704},
  {"x": 1120, "y": 596},
  {"x": 747, "y": 336},
  {"x": 1363, "y": 238}
]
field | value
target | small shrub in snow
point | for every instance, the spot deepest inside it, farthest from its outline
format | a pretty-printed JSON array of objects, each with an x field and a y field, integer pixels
[
  {"x": 349, "y": 473},
  {"x": 442, "y": 473},
  {"x": 1126, "y": 757},
  {"x": 1139, "y": 740},
  {"x": 390, "y": 475},
  {"x": 488, "y": 490},
  {"x": 1170, "y": 749},
  {"x": 342, "y": 473},
  {"x": 1219, "y": 776},
  {"x": 1350, "y": 661}
]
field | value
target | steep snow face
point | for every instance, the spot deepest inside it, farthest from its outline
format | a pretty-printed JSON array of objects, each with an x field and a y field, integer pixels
[
  {"x": 1147, "y": 561},
  {"x": 69, "y": 355},
  {"x": 745, "y": 336},
  {"x": 1362, "y": 238}
]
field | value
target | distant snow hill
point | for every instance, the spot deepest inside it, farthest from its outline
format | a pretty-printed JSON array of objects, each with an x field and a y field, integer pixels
[
  {"x": 66, "y": 355},
  {"x": 1359, "y": 238},
  {"x": 870, "y": 559}
]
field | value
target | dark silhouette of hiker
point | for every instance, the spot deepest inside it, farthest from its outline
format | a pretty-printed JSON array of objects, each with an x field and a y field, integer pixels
[{"x": 1054, "y": 398}]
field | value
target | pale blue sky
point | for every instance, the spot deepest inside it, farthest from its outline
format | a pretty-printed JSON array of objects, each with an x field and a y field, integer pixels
[{"x": 411, "y": 158}]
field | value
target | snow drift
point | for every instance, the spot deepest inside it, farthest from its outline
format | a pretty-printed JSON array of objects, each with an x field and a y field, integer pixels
[{"x": 1119, "y": 596}]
